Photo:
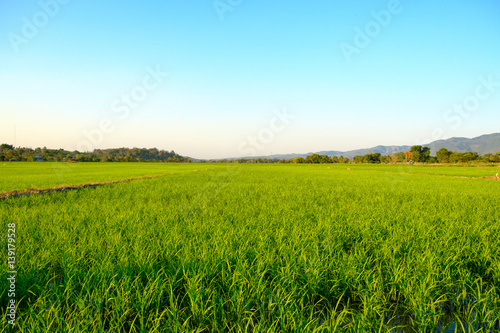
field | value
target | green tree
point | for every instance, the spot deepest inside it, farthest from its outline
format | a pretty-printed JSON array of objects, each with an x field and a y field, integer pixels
[
  {"x": 372, "y": 158},
  {"x": 314, "y": 158},
  {"x": 463, "y": 157},
  {"x": 358, "y": 159},
  {"x": 425, "y": 154},
  {"x": 398, "y": 157},
  {"x": 9, "y": 154},
  {"x": 324, "y": 159},
  {"x": 443, "y": 155},
  {"x": 420, "y": 154},
  {"x": 385, "y": 159},
  {"x": 4, "y": 146}
]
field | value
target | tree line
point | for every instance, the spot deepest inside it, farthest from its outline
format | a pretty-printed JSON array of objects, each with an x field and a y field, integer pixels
[
  {"x": 422, "y": 155},
  {"x": 10, "y": 153},
  {"x": 415, "y": 154}
]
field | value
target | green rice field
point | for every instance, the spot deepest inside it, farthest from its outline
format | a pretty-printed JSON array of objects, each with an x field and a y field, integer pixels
[
  {"x": 20, "y": 176},
  {"x": 253, "y": 248}
]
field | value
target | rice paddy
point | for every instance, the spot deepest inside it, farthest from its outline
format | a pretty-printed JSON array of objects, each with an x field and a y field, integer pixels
[
  {"x": 19, "y": 176},
  {"x": 255, "y": 248}
]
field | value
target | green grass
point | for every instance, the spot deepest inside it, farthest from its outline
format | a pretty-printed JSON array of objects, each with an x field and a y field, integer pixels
[
  {"x": 461, "y": 170},
  {"x": 20, "y": 176},
  {"x": 261, "y": 248}
]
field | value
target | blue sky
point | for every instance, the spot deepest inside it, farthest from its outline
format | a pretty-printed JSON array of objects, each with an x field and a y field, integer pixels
[{"x": 420, "y": 71}]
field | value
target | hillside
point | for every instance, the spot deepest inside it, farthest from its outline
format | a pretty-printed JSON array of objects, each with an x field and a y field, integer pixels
[
  {"x": 483, "y": 144},
  {"x": 489, "y": 143}
]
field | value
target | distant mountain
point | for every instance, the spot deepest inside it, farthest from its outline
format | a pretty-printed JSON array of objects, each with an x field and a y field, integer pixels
[
  {"x": 484, "y": 144},
  {"x": 383, "y": 150}
]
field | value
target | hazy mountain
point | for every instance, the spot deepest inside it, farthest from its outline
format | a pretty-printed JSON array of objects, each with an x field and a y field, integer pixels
[
  {"x": 383, "y": 150},
  {"x": 483, "y": 144},
  {"x": 489, "y": 143}
]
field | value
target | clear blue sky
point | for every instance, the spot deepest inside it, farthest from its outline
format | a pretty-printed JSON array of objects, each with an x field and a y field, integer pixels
[{"x": 65, "y": 70}]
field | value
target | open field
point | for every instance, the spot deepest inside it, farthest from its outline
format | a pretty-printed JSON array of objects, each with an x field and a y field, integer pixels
[
  {"x": 17, "y": 176},
  {"x": 256, "y": 248},
  {"x": 463, "y": 170}
]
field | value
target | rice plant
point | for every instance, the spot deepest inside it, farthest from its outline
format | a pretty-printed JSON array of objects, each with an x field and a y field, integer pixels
[{"x": 261, "y": 248}]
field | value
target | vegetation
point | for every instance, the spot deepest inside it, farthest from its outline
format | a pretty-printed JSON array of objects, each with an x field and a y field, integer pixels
[
  {"x": 21, "y": 176},
  {"x": 262, "y": 248},
  {"x": 368, "y": 158},
  {"x": 416, "y": 154},
  {"x": 422, "y": 155},
  {"x": 10, "y": 153}
]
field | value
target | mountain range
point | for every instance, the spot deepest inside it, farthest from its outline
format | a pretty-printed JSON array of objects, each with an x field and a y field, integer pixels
[{"x": 484, "y": 144}]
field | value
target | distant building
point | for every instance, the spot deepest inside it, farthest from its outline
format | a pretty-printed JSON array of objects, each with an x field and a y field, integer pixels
[{"x": 38, "y": 159}]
